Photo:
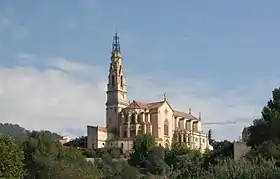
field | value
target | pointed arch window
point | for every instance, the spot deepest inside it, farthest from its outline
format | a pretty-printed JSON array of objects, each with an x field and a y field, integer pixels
[
  {"x": 166, "y": 127},
  {"x": 121, "y": 81},
  {"x": 113, "y": 80}
]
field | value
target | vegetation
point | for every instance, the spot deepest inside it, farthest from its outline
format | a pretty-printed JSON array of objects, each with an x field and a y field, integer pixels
[{"x": 39, "y": 155}]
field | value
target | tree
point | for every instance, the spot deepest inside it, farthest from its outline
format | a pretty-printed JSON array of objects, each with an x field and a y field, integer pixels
[
  {"x": 210, "y": 137},
  {"x": 141, "y": 147},
  {"x": 267, "y": 127},
  {"x": 155, "y": 162},
  {"x": 46, "y": 158},
  {"x": 11, "y": 163},
  {"x": 222, "y": 150},
  {"x": 185, "y": 162}
]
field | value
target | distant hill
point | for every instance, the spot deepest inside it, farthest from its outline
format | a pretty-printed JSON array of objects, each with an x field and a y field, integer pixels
[{"x": 17, "y": 131}]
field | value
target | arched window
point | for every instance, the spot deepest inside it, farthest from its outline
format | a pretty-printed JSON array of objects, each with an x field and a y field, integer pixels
[
  {"x": 113, "y": 80},
  {"x": 133, "y": 117},
  {"x": 121, "y": 81},
  {"x": 122, "y": 145},
  {"x": 166, "y": 127}
]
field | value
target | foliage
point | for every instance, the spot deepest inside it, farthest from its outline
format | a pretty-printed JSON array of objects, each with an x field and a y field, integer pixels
[
  {"x": 47, "y": 158},
  {"x": 222, "y": 150},
  {"x": 13, "y": 130},
  {"x": 210, "y": 139},
  {"x": 19, "y": 132},
  {"x": 40, "y": 155},
  {"x": 267, "y": 127},
  {"x": 80, "y": 142},
  {"x": 11, "y": 165},
  {"x": 155, "y": 162},
  {"x": 141, "y": 147},
  {"x": 244, "y": 170}
]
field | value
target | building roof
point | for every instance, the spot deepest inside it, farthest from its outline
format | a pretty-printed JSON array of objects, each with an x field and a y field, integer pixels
[
  {"x": 153, "y": 105},
  {"x": 184, "y": 115},
  {"x": 139, "y": 105}
]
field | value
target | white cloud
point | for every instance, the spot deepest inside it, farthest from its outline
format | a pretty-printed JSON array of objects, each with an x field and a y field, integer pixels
[
  {"x": 68, "y": 66},
  {"x": 57, "y": 100}
]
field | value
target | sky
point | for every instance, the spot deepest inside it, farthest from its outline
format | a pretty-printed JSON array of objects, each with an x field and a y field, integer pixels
[{"x": 219, "y": 58}]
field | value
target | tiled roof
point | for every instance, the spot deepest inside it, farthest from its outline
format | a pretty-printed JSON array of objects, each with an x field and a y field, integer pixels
[
  {"x": 139, "y": 105},
  {"x": 185, "y": 115}
]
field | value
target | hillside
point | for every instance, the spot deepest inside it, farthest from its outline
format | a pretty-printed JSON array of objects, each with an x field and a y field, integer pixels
[{"x": 17, "y": 131}]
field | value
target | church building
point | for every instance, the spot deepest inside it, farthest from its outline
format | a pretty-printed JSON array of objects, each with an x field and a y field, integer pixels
[{"x": 127, "y": 119}]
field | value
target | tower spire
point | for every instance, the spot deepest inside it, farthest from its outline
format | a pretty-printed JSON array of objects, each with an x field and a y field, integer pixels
[
  {"x": 164, "y": 96},
  {"x": 116, "y": 43}
]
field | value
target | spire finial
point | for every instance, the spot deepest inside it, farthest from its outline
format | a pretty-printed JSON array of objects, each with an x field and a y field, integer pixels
[
  {"x": 164, "y": 96},
  {"x": 190, "y": 111},
  {"x": 199, "y": 116},
  {"x": 116, "y": 42}
]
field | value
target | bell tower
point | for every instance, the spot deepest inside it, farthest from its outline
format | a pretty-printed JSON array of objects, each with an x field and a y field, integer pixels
[{"x": 116, "y": 88}]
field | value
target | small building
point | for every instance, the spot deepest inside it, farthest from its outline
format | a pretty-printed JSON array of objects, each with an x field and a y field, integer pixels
[
  {"x": 96, "y": 137},
  {"x": 64, "y": 139},
  {"x": 240, "y": 149}
]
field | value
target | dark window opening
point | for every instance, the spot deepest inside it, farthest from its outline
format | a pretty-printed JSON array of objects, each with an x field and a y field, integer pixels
[
  {"x": 121, "y": 81},
  {"x": 166, "y": 128},
  {"x": 113, "y": 80}
]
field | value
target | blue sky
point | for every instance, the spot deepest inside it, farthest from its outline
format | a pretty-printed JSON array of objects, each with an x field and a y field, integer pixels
[{"x": 215, "y": 49}]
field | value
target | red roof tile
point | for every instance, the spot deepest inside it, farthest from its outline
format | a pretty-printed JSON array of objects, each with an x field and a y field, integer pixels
[
  {"x": 139, "y": 105},
  {"x": 185, "y": 115}
]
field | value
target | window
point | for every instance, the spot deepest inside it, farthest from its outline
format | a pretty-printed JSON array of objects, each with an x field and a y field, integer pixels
[
  {"x": 122, "y": 145},
  {"x": 121, "y": 81},
  {"x": 166, "y": 127},
  {"x": 133, "y": 117},
  {"x": 113, "y": 80},
  {"x": 203, "y": 141}
]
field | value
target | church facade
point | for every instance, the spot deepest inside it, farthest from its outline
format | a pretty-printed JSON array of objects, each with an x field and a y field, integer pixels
[{"x": 127, "y": 119}]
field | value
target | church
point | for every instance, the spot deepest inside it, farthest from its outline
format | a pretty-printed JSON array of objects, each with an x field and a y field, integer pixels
[{"x": 127, "y": 119}]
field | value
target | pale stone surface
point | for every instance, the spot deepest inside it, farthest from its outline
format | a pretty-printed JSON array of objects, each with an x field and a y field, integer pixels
[{"x": 125, "y": 120}]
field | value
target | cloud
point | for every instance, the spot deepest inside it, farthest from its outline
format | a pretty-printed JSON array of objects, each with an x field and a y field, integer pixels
[{"x": 60, "y": 99}]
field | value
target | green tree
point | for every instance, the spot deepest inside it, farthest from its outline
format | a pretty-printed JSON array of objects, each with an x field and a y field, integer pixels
[
  {"x": 184, "y": 162},
  {"x": 141, "y": 147},
  {"x": 267, "y": 127},
  {"x": 222, "y": 151},
  {"x": 11, "y": 163},
  {"x": 155, "y": 162},
  {"x": 210, "y": 137},
  {"x": 46, "y": 158}
]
